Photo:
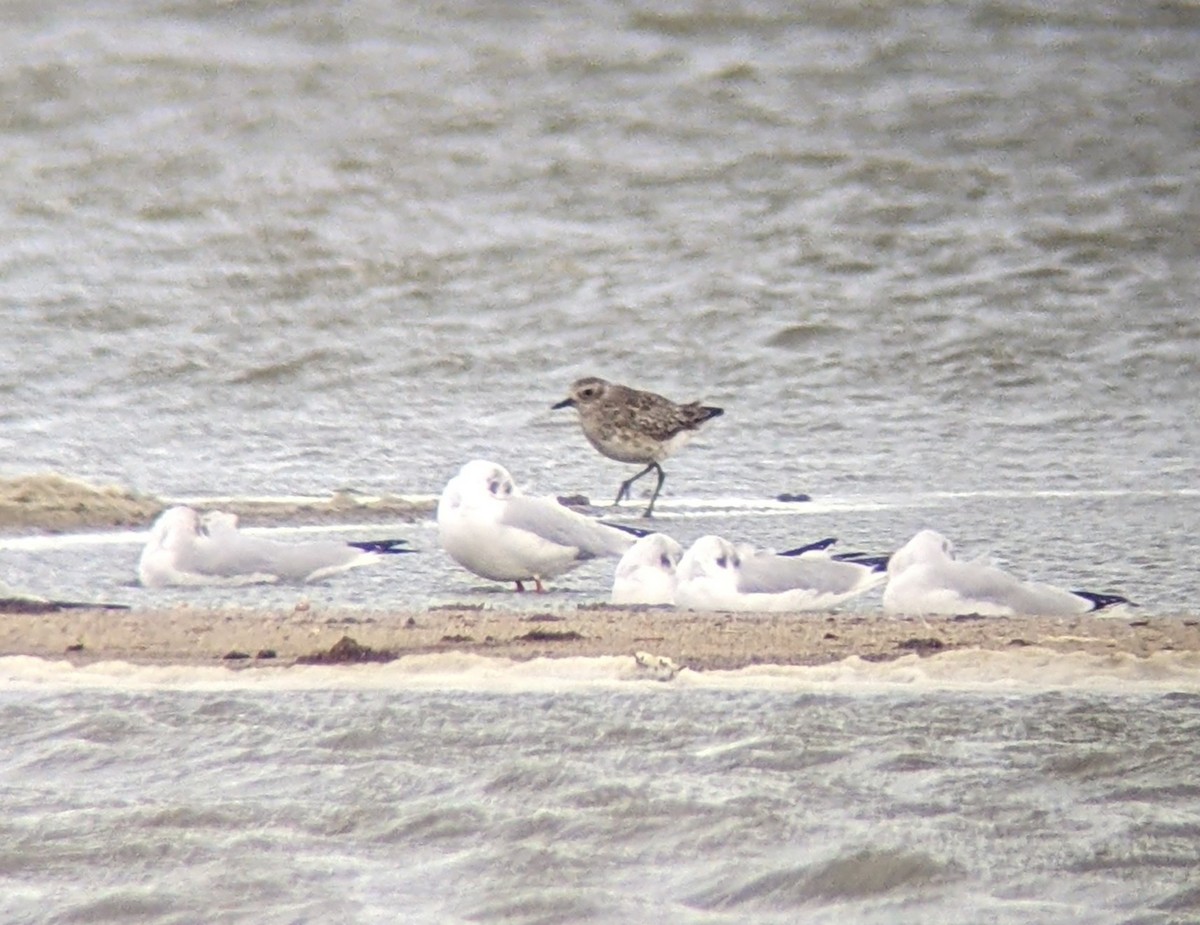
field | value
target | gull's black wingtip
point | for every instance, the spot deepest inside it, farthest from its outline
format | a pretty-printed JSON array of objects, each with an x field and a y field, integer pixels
[
  {"x": 876, "y": 563},
  {"x": 639, "y": 532},
  {"x": 1100, "y": 601},
  {"x": 382, "y": 547},
  {"x": 818, "y": 546}
]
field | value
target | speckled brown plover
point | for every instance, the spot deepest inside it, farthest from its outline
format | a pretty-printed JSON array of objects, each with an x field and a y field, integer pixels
[{"x": 632, "y": 426}]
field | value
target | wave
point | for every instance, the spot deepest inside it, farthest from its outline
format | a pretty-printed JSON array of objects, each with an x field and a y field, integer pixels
[{"x": 967, "y": 671}]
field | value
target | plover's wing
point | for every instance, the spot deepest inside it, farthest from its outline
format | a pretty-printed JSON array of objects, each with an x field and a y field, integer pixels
[
  {"x": 551, "y": 521},
  {"x": 660, "y": 418}
]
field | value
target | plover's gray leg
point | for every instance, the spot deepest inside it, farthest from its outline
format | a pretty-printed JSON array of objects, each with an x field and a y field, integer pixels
[{"x": 626, "y": 485}]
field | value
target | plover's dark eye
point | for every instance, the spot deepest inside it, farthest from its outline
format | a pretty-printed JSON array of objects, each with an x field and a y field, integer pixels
[
  {"x": 666, "y": 562},
  {"x": 722, "y": 562}
]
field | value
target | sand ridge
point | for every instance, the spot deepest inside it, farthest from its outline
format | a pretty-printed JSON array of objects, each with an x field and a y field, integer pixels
[{"x": 191, "y": 635}]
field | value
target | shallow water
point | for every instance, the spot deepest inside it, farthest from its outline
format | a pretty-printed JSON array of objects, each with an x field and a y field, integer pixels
[
  {"x": 258, "y": 250},
  {"x": 552, "y": 794},
  {"x": 262, "y": 249},
  {"x": 936, "y": 262}
]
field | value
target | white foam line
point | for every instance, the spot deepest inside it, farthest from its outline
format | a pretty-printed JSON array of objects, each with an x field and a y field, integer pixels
[
  {"x": 205, "y": 501},
  {"x": 1066, "y": 493},
  {"x": 681, "y": 508},
  {"x": 70, "y": 540},
  {"x": 717, "y": 507},
  {"x": 137, "y": 537},
  {"x": 1027, "y": 671}
]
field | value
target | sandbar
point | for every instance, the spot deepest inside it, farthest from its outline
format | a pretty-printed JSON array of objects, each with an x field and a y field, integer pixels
[{"x": 191, "y": 635}]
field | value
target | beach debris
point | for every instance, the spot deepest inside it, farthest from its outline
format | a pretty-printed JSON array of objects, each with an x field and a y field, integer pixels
[
  {"x": 659, "y": 667},
  {"x": 922, "y": 646},
  {"x": 541, "y": 635},
  {"x": 347, "y": 650},
  {"x": 15, "y": 602}
]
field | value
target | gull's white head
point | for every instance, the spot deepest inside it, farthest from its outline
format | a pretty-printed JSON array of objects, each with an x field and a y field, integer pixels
[
  {"x": 710, "y": 557},
  {"x": 655, "y": 550},
  {"x": 175, "y": 527},
  {"x": 646, "y": 572},
  {"x": 216, "y": 521},
  {"x": 480, "y": 477},
  {"x": 479, "y": 482},
  {"x": 926, "y": 547}
]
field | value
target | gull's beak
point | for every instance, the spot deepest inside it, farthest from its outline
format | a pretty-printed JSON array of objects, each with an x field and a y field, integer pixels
[{"x": 565, "y": 403}]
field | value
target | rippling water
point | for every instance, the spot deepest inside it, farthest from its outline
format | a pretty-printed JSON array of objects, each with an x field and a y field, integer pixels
[
  {"x": 938, "y": 263},
  {"x": 740, "y": 798},
  {"x": 265, "y": 247}
]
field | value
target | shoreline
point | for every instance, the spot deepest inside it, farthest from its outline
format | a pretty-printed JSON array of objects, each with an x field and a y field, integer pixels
[{"x": 700, "y": 641}]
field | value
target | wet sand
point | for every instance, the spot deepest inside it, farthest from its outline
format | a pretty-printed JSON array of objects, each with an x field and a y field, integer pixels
[
  {"x": 699, "y": 641},
  {"x": 55, "y": 503}
]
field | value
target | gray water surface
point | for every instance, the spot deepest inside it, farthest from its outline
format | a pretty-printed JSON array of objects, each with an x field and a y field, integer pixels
[
  {"x": 938, "y": 264},
  {"x": 601, "y": 806}
]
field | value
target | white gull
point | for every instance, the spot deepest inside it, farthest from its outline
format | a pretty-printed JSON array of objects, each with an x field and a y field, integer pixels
[
  {"x": 925, "y": 578},
  {"x": 714, "y": 574},
  {"x": 646, "y": 573},
  {"x": 185, "y": 548},
  {"x": 489, "y": 527}
]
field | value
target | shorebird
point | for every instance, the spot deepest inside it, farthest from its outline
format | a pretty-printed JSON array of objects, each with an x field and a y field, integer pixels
[
  {"x": 632, "y": 426},
  {"x": 186, "y": 548},
  {"x": 714, "y": 574},
  {"x": 924, "y": 577},
  {"x": 489, "y": 527}
]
